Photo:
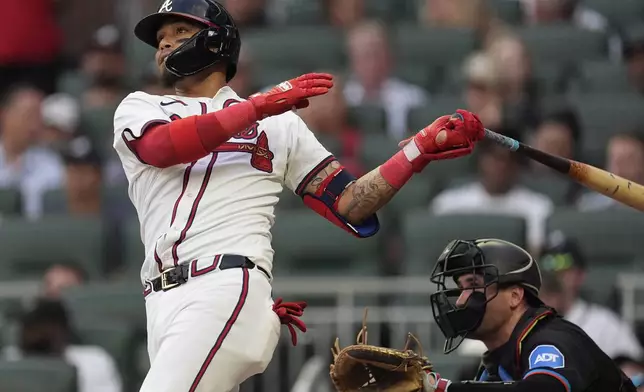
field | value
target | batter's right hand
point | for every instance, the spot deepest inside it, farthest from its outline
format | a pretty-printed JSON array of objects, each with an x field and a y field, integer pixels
[{"x": 292, "y": 94}]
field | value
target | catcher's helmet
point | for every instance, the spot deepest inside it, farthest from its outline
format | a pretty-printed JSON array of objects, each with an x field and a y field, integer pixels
[
  {"x": 496, "y": 261},
  {"x": 218, "y": 42}
]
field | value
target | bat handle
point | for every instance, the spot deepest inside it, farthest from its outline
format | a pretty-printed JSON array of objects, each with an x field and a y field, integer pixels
[{"x": 508, "y": 142}]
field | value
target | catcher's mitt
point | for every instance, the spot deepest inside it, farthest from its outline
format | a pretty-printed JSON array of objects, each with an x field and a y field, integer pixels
[{"x": 362, "y": 367}]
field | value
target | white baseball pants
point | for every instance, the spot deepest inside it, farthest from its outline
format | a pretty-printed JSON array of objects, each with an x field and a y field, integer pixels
[{"x": 211, "y": 333}]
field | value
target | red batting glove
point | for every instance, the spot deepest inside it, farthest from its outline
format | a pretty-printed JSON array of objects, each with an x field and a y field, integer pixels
[
  {"x": 448, "y": 137},
  {"x": 445, "y": 138},
  {"x": 292, "y": 94},
  {"x": 288, "y": 312},
  {"x": 469, "y": 124}
]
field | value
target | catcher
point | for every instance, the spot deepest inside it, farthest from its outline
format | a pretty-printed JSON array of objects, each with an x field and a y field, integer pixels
[{"x": 487, "y": 290}]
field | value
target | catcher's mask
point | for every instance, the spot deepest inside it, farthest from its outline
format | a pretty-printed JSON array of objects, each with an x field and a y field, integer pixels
[{"x": 489, "y": 261}]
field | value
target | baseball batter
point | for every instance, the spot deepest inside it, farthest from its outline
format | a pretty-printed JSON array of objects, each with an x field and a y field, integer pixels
[{"x": 205, "y": 168}]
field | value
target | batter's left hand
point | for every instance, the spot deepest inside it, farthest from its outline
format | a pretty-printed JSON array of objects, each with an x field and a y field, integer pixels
[
  {"x": 288, "y": 312},
  {"x": 448, "y": 137}
]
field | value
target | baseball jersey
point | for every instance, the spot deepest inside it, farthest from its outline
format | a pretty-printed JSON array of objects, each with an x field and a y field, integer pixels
[{"x": 224, "y": 202}]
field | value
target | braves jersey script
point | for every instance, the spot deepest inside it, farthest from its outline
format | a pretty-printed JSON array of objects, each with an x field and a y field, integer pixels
[{"x": 224, "y": 202}]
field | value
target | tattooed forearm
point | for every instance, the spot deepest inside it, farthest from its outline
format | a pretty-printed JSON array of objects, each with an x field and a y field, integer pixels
[
  {"x": 359, "y": 200},
  {"x": 365, "y": 196},
  {"x": 315, "y": 183}
]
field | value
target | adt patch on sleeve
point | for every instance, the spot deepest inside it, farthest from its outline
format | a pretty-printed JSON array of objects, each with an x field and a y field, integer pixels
[{"x": 547, "y": 355}]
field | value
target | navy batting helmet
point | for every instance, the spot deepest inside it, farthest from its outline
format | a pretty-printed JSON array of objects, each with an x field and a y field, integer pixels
[
  {"x": 218, "y": 42},
  {"x": 496, "y": 262}
]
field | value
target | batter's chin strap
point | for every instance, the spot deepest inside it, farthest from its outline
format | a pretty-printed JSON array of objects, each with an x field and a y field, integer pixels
[{"x": 325, "y": 203}]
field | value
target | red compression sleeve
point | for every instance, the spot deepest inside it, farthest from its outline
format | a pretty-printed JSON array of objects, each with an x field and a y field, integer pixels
[
  {"x": 397, "y": 170},
  {"x": 189, "y": 139}
]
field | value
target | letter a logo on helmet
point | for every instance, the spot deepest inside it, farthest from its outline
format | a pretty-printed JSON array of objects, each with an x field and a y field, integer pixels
[{"x": 166, "y": 6}]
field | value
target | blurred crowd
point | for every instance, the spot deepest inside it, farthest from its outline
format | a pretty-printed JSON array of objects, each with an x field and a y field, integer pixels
[{"x": 54, "y": 108}]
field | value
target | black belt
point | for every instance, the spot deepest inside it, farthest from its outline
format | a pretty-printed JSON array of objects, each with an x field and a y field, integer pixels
[{"x": 180, "y": 274}]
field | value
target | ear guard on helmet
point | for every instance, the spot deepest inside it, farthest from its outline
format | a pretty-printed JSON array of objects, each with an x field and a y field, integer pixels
[{"x": 205, "y": 49}]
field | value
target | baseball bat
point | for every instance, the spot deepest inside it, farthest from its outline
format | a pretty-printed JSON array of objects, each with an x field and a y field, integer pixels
[{"x": 606, "y": 183}]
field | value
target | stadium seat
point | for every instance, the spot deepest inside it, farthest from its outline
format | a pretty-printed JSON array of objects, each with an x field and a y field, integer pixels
[
  {"x": 38, "y": 375},
  {"x": 55, "y": 200},
  {"x": 133, "y": 249},
  {"x": 303, "y": 13},
  {"x": 392, "y": 11},
  {"x": 309, "y": 48},
  {"x": 606, "y": 237},
  {"x": 432, "y": 46},
  {"x": 369, "y": 119},
  {"x": 10, "y": 202},
  {"x": 601, "y": 282},
  {"x": 426, "y": 235},
  {"x": 29, "y": 248},
  {"x": 376, "y": 149},
  {"x": 98, "y": 124},
  {"x": 424, "y": 76},
  {"x": 416, "y": 194},
  {"x": 545, "y": 42},
  {"x": 601, "y": 77},
  {"x": 118, "y": 338},
  {"x": 118, "y": 302},
  {"x": 509, "y": 12},
  {"x": 618, "y": 14},
  {"x": 558, "y": 189},
  {"x": 306, "y": 243},
  {"x": 605, "y": 114}
]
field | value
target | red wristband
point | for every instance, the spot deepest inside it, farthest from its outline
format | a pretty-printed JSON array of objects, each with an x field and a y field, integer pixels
[{"x": 397, "y": 170}]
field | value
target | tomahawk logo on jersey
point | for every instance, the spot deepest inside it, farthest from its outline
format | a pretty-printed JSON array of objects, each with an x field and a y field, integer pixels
[{"x": 223, "y": 203}]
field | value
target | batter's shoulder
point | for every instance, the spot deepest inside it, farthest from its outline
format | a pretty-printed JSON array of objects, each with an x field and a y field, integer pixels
[{"x": 141, "y": 96}]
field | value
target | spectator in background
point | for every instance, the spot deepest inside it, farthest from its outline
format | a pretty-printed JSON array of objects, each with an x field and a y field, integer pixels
[
  {"x": 84, "y": 194},
  {"x": 633, "y": 368},
  {"x": 60, "y": 277},
  {"x": 519, "y": 89},
  {"x": 24, "y": 165},
  {"x": 625, "y": 158},
  {"x": 469, "y": 14},
  {"x": 633, "y": 53},
  {"x": 61, "y": 116},
  {"x": 562, "y": 260},
  {"x": 247, "y": 13},
  {"x": 371, "y": 80},
  {"x": 563, "y": 11},
  {"x": 482, "y": 93},
  {"x": 558, "y": 133},
  {"x": 345, "y": 13},
  {"x": 45, "y": 330},
  {"x": 83, "y": 178},
  {"x": 497, "y": 191},
  {"x": 31, "y": 44},
  {"x": 242, "y": 83},
  {"x": 103, "y": 66},
  {"x": 327, "y": 116}
]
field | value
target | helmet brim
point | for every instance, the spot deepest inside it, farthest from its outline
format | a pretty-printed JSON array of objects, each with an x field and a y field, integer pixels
[{"x": 147, "y": 28}]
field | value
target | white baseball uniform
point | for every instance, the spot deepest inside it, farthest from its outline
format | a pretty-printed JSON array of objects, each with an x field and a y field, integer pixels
[{"x": 216, "y": 330}]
